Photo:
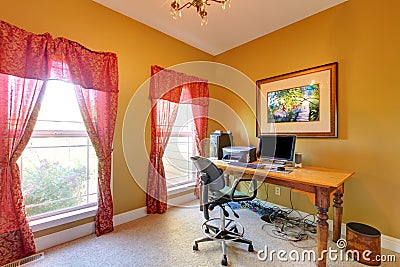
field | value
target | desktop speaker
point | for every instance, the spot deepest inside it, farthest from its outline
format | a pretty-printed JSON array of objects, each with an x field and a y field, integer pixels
[{"x": 298, "y": 158}]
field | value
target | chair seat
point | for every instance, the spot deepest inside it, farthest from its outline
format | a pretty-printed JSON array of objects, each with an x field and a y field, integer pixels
[
  {"x": 224, "y": 195},
  {"x": 227, "y": 191}
]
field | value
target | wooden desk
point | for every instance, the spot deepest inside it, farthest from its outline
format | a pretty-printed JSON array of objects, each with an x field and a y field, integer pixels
[{"x": 319, "y": 181}]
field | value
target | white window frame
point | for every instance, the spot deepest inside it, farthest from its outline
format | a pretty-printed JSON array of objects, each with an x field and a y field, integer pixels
[
  {"x": 190, "y": 184},
  {"x": 59, "y": 217}
]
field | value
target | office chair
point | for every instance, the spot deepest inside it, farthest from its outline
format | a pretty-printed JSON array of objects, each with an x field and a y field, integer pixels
[{"x": 215, "y": 193}]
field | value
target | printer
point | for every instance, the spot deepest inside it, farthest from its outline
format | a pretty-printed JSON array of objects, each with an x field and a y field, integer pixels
[{"x": 239, "y": 153}]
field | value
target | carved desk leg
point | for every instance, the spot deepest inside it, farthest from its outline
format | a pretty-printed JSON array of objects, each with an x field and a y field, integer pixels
[
  {"x": 322, "y": 200},
  {"x": 337, "y": 213}
]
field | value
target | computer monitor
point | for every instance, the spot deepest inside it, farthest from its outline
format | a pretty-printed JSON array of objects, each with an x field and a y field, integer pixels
[{"x": 276, "y": 147}]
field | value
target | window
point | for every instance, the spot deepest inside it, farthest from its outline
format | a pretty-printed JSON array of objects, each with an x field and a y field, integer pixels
[
  {"x": 59, "y": 165},
  {"x": 181, "y": 146}
]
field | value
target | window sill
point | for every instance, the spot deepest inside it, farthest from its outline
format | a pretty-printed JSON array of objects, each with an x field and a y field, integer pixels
[
  {"x": 181, "y": 188},
  {"x": 60, "y": 219}
]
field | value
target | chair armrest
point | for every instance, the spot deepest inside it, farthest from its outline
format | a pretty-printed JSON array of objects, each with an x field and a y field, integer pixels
[{"x": 243, "y": 198}]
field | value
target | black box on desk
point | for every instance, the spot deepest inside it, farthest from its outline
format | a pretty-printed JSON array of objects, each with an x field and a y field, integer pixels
[
  {"x": 239, "y": 153},
  {"x": 219, "y": 140}
]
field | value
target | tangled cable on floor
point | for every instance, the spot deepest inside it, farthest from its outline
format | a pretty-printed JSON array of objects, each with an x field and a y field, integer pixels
[{"x": 288, "y": 225}]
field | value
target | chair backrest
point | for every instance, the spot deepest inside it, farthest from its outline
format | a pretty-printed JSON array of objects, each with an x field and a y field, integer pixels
[{"x": 203, "y": 165}]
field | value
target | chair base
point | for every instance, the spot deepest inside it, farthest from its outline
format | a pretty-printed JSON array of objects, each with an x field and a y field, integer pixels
[
  {"x": 229, "y": 230},
  {"x": 217, "y": 228}
]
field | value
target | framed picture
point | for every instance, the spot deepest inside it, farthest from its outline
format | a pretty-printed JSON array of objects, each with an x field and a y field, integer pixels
[{"x": 301, "y": 102}]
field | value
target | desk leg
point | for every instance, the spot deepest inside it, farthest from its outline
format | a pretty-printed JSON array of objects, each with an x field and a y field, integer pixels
[
  {"x": 322, "y": 200},
  {"x": 337, "y": 213}
]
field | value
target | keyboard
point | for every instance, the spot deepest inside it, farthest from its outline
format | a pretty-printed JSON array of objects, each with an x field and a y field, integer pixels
[
  {"x": 272, "y": 166},
  {"x": 247, "y": 165}
]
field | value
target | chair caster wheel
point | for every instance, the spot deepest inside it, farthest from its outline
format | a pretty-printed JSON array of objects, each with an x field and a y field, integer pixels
[
  {"x": 250, "y": 249},
  {"x": 195, "y": 246},
  {"x": 224, "y": 261}
]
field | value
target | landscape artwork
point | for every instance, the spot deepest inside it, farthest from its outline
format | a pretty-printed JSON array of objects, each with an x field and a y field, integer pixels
[{"x": 298, "y": 104}]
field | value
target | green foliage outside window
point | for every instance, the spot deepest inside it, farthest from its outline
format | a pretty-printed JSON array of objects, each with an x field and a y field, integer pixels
[{"x": 52, "y": 186}]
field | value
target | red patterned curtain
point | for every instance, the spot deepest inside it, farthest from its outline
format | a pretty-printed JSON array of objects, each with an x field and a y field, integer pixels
[
  {"x": 27, "y": 60},
  {"x": 19, "y": 106},
  {"x": 22, "y": 74},
  {"x": 95, "y": 75},
  {"x": 200, "y": 101},
  {"x": 166, "y": 87},
  {"x": 99, "y": 110}
]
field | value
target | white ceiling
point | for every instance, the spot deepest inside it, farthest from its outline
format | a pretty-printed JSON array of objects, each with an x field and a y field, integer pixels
[{"x": 246, "y": 20}]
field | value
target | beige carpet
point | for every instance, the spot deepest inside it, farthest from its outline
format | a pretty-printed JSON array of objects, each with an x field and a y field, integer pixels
[{"x": 167, "y": 240}]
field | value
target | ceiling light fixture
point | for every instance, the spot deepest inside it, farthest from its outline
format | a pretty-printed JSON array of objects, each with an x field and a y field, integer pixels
[{"x": 200, "y": 5}]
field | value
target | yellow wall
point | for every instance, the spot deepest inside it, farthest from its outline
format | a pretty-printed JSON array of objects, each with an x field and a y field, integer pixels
[
  {"x": 137, "y": 47},
  {"x": 363, "y": 37}
]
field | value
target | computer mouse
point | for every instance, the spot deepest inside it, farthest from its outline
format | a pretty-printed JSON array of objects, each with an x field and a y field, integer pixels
[{"x": 280, "y": 168}]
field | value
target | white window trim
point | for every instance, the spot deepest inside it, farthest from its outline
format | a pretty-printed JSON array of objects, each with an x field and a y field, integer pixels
[
  {"x": 58, "y": 218},
  {"x": 181, "y": 188},
  {"x": 63, "y": 218},
  {"x": 189, "y": 184}
]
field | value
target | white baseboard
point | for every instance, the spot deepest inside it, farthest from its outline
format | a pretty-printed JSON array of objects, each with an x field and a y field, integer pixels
[
  {"x": 60, "y": 237},
  {"x": 45, "y": 242},
  {"x": 390, "y": 243},
  {"x": 130, "y": 216},
  {"x": 178, "y": 201}
]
